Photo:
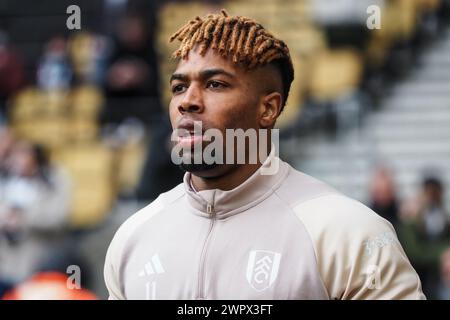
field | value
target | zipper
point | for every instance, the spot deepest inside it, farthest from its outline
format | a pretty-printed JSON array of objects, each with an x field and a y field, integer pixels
[{"x": 201, "y": 272}]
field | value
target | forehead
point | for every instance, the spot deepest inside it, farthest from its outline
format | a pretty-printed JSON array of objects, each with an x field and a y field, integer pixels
[{"x": 211, "y": 60}]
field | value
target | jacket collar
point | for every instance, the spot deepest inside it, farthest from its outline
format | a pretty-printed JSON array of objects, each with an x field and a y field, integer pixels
[{"x": 222, "y": 204}]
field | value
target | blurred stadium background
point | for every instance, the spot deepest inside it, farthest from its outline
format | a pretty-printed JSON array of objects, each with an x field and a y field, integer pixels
[{"x": 369, "y": 113}]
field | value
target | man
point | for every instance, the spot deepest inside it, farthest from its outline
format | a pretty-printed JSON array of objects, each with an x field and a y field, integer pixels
[
  {"x": 425, "y": 232},
  {"x": 242, "y": 230}
]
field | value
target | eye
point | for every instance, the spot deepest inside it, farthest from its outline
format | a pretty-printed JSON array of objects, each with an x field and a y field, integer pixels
[
  {"x": 178, "y": 88},
  {"x": 215, "y": 85}
]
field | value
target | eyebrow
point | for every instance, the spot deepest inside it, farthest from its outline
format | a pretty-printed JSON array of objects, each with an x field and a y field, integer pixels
[{"x": 205, "y": 74}]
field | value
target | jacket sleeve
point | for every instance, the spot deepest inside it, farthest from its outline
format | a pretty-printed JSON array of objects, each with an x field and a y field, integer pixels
[
  {"x": 111, "y": 274},
  {"x": 358, "y": 253}
]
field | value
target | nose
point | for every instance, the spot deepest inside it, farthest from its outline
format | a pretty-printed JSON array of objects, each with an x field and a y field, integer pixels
[{"x": 192, "y": 101}]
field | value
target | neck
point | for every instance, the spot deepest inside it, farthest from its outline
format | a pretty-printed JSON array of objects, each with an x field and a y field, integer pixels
[{"x": 228, "y": 181}]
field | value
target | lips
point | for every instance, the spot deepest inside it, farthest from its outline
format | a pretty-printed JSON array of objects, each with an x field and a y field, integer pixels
[
  {"x": 189, "y": 133},
  {"x": 190, "y": 141}
]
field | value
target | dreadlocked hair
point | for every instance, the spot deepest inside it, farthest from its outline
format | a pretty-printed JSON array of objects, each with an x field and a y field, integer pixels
[{"x": 240, "y": 39}]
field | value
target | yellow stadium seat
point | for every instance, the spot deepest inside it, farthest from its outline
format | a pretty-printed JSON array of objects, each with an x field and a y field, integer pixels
[
  {"x": 92, "y": 159},
  {"x": 306, "y": 40},
  {"x": 399, "y": 19},
  {"x": 83, "y": 130},
  {"x": 130, "y": 161},
  {"x": 80, "y": 51},
  {"x": 335, "y": 73},
  {"x": 86, "y": 102},
  {"x": 26, "y": 104},
  {"x": 54, "y": 103},
  {"x": 33, "y": 103},
  {"x": 91, "y": 167},
  {"x": 90, "y": 204},
  {"x": 51, "y": 132}
]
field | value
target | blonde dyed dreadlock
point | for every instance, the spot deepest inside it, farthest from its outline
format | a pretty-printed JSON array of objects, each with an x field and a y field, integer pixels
[{"x": 240, "y": 39}]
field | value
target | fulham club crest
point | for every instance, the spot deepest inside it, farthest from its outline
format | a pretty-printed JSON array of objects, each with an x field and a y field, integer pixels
[{"x": 262, "y": 268}]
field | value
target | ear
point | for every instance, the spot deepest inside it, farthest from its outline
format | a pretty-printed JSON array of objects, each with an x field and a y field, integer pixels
[{"x": 270, "y": 109}]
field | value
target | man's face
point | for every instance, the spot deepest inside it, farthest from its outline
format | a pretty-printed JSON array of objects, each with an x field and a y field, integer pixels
[
  {"x": 215, "y": 91},
  {"x": 433, "y": 194}
]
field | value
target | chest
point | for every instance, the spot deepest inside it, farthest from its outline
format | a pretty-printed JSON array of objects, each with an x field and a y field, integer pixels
[{"x": 233, "y": 259}]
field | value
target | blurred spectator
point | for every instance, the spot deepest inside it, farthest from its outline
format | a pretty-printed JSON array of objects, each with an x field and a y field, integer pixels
[
  {"x": 132, "y": 76},
  {"x": 54, "y": 71},
  {"x": 383, "y": 195},
  {"x": 34, "y": 204},
  {"x": 111, "y": 13},
  {"x": 425, "y": 232},
  {"x": 113, "y": 10},
  {"x": 12, "y": 73},
  {"x": 89, "y": 53}
]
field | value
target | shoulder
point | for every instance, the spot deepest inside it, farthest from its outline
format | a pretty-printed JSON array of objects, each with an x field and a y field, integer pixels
[
  {"x": 357, "y": 250},
  {"x": 337, "y": 213},
  {"x": 321, "y": 207},
  {"x": 299, "y": 187},
  {"x": 340, "y": 225}
]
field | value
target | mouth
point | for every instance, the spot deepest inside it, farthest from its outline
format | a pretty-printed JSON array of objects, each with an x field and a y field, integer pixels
[
  {"x": 190, "y": 140},
  {"x": 188, "y": 133}
]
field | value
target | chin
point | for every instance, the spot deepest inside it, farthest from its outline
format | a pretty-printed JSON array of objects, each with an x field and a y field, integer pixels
[
  {"x": 198, "y": 168},
  {"x": 207, "y": 171}
]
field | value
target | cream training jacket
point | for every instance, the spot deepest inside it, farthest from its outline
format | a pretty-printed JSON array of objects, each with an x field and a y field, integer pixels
[{"x": 280, "y": 236}]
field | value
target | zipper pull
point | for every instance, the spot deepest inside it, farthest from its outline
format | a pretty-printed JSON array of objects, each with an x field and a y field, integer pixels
[{"x": 209, "y": 208}]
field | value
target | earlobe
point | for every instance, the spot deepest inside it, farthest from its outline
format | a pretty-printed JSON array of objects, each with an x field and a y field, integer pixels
[{"x": 271, "y": 106}]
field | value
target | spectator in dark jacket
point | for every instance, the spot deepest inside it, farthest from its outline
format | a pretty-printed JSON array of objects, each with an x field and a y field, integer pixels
[{"x": 425, "y": 232}]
